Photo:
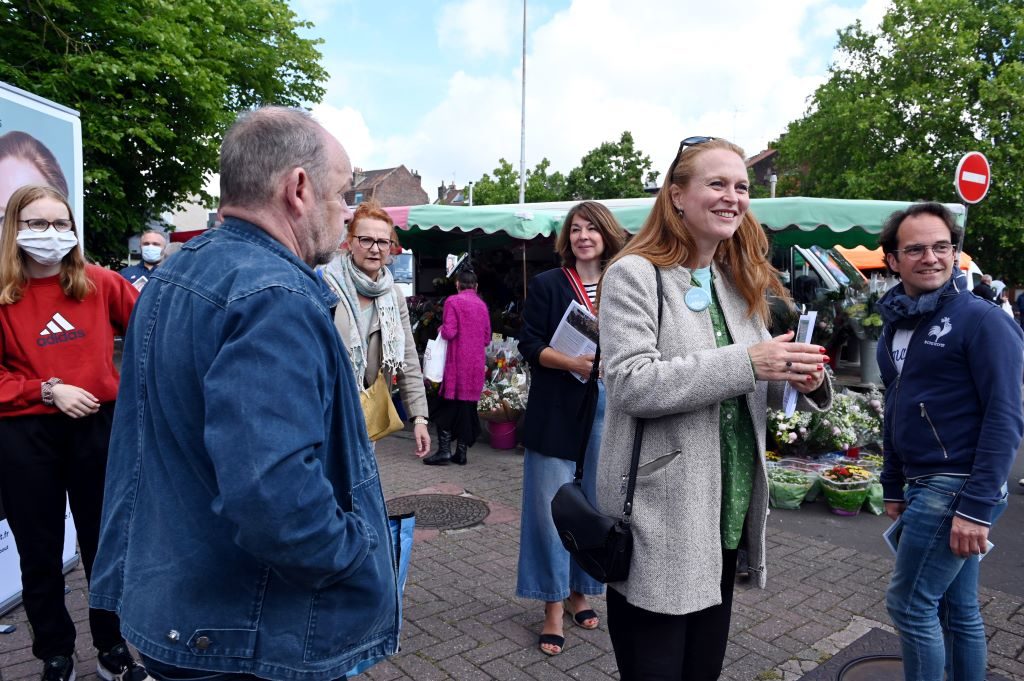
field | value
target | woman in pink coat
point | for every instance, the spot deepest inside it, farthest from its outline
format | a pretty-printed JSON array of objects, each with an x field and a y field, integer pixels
[{"x": 467, "y": 328}]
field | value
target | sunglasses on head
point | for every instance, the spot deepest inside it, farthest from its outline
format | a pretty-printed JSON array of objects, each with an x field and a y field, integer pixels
[{"x": 688, "y": 142}]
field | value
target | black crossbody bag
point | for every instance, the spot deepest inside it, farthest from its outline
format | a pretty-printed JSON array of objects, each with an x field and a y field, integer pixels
[{"x": 601, "y": 544}]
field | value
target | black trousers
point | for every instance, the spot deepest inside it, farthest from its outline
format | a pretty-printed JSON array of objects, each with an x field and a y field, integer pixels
[
  {"x": 42, "y": 459},
  {"x": 650, "y": 645}
]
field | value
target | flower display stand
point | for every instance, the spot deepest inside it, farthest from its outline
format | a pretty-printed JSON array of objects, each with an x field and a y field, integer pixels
[{"x": 503, "y": 434}]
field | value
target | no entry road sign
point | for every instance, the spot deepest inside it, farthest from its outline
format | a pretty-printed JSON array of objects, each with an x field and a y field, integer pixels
[{"x": 972, "y": 177}]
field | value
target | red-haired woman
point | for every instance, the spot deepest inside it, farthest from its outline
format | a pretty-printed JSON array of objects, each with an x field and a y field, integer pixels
[
  {"x": 58, "y": 317},
  {"x": 373, "y": 318},
  {"x": 700, "y": 374}
]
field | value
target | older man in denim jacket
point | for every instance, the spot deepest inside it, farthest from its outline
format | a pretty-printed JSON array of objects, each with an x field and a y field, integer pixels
[
  {"x": 952, "y": 363},
  {"x": 244, "y": 530}
]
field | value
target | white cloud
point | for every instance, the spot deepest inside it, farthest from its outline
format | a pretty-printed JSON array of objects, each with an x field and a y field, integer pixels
[
  {"x": 479, "y": 28},
  {"x": 348, "y": 126},
  {"x": 662, "y": 69}
]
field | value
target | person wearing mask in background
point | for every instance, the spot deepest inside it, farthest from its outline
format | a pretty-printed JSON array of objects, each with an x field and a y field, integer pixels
[
  {"x": 373, "y": 317},
  {"x": 467, "y": 328},
  {"x": 25, "y": 160},
  {"x": 701, "y": 373},
  {"x": 58, "y": 383},
  {"x": 244, "y": 532},
  {"x": 152, "y": 244},
  {"x": 553, "y": 429},
  {"x": 952, "y": 367}
]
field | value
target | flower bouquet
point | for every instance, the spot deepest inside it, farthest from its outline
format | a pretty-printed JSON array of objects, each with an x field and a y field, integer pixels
[
  {"x": 845, "y": 487},
  {"x": 865, "y": 320},
  {"x": 502, "y": 401}
]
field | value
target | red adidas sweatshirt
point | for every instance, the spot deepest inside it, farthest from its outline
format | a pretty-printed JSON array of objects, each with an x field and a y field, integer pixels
[{"x": 46, "y": 334}]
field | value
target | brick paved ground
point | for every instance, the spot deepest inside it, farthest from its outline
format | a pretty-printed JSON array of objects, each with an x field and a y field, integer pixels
[{"x": 462, "y": 620}]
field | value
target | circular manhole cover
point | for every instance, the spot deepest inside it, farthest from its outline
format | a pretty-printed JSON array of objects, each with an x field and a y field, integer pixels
[
  {"x": 874, "y": 668},
  {"x": 440, "y": 511}
]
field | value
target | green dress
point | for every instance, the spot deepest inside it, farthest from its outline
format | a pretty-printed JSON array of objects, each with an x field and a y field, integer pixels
[{"x": 736, "y": 432}]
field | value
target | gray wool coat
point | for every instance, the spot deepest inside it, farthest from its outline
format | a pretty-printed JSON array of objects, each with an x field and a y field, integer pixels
[{"x": 676, "y": 379}]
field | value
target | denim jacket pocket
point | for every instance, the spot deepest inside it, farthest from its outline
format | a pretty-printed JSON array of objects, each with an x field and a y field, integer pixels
[{"x": 358, "y": 611}]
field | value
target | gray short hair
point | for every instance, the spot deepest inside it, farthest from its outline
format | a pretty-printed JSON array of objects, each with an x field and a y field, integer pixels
[{"x": 264, "y": 143}]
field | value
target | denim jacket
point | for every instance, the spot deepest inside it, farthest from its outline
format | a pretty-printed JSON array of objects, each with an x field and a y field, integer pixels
[{"x": 244, "y": 527}]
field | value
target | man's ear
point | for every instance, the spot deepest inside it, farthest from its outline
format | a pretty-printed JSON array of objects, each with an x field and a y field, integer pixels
[
  {"x": 891, "y": 261},
  {"x": 297, "y": 190}
]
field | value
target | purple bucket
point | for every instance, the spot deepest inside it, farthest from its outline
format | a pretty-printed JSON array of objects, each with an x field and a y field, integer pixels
[{"x": 503, "y": 434}]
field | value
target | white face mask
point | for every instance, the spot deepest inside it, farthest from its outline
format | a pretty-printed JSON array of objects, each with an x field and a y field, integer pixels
[
  {"x": 152, "y": 254},
  {"x": 47, "y": 248}
]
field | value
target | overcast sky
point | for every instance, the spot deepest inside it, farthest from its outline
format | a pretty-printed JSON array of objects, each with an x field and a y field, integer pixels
[{"x": 436, "y": 85}]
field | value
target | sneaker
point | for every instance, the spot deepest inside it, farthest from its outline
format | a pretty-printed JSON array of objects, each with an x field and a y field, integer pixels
[
  {"x": 117, "y": 664},
  {"x": 59, "y": 668}
]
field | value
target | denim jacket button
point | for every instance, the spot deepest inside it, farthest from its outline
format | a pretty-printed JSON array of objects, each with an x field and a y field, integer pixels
[
  {"x": 173, "y": 635},
  {"x": 202, "y": 643}
]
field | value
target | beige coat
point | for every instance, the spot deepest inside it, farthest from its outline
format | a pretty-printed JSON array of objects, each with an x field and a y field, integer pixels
[
  {"x": 676, "y": 379},
  {"x": 410, "y": 379}
]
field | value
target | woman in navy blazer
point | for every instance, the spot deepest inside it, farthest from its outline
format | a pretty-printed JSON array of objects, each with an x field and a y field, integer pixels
[{"x": 553, "y": 431}]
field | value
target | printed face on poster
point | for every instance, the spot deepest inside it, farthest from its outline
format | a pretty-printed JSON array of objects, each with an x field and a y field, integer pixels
[{"x": 40, "y": 143}]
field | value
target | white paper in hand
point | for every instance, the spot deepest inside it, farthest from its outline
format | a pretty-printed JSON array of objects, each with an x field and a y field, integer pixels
[{"x": 804, "y": 332}]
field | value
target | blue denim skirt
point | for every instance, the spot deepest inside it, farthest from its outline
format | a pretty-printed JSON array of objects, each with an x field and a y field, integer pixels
[{"x": 546, "y": 570}]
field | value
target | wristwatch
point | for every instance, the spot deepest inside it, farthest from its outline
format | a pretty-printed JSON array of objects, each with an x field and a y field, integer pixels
[
  {"x": 420, "y": 420},
  {"x": 47, "y": 388}
]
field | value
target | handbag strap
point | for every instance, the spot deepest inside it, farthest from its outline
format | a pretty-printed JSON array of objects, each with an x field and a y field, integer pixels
[{"x": 627, "y": 508}]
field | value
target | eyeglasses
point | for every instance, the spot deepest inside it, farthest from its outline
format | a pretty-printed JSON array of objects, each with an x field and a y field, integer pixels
[
  {"x": 368, "y": 242},
  {"x": 40, "y": 225},
  {"x": 916, "y": 252},
  {"x": 688, "y": 142}
]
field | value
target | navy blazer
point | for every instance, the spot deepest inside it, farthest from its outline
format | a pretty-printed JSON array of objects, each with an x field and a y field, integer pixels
[{"x": 554, "y": 423}]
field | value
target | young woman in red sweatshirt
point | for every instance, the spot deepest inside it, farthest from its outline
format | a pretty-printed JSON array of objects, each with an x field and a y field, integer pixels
[{"x": 58, "y": 317}]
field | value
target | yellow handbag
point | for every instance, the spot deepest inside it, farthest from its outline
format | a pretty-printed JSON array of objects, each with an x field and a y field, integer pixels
[{"x": 379, "y": 411}]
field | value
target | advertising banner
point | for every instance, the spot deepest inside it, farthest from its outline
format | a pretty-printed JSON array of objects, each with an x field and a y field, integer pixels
[{"x": 40, "y": 143}]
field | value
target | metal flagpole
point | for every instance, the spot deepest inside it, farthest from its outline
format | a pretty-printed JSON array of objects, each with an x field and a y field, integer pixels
[{"x": 522, "y": 127}]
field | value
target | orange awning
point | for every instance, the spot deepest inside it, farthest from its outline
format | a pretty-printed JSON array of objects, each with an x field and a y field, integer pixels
[{"x": 871, "y": 259}]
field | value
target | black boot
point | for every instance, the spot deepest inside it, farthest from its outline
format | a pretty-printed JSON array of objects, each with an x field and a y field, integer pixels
[
  {"x": 460, "y": 454},
  {"x": 444, "y": 450}
]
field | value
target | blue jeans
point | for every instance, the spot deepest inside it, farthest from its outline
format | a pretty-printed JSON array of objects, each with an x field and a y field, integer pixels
[
  {"x": 546, "y": 570},
  {"x": 933, "y": 595}
]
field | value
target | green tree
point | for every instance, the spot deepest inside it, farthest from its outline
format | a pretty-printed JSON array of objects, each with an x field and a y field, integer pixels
[
  {"x": 541, "y": 186},
  {"x": 614, "y": 170},
  {"x": 902, "y": 104},
  {"x": 504, "y": 186},
  {"x": 156, "y": 82}
]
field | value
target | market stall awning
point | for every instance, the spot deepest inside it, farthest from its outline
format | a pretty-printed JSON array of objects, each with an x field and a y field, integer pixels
[{"x": 799, "y": 221}]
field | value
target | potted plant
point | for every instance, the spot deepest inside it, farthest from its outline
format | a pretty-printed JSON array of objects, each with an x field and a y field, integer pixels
[{"x": 845, "y": 487}]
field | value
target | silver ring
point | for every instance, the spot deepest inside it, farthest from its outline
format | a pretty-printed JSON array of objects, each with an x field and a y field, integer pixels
[{"x": 789, "y": 364}]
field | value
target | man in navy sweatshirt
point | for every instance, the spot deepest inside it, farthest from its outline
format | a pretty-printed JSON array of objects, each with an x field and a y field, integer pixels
[{"x": 953, "y": 423}]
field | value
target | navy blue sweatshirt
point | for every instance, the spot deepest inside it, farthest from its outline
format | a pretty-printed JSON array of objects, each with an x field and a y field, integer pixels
[{"x": 956, "y": 407}]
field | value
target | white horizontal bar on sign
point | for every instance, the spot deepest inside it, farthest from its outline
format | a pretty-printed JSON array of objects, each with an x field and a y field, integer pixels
[{"x": 967, "y": 176}]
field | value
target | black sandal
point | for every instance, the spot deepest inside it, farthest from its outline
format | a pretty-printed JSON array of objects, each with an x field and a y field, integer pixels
[
  {"x": 582, "y": 616},
  {"x": 552, "y": 640}
]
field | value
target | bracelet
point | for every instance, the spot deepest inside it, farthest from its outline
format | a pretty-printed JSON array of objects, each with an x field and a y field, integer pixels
[
  {"x": 47, "y": 389},
  {"x": 420, "y": 420}
]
